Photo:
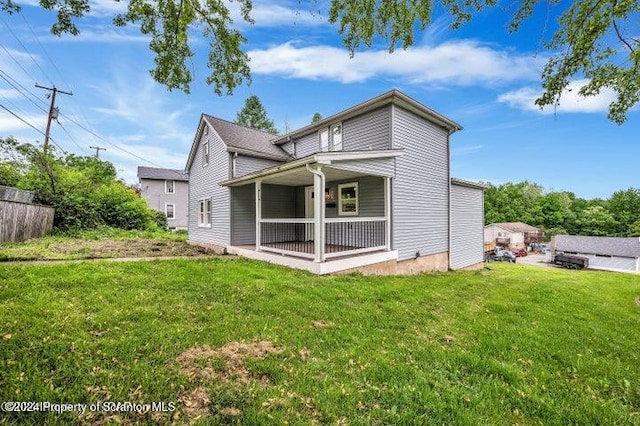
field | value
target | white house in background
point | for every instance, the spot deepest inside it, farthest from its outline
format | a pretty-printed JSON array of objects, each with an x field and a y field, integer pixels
[
  {"x": 166, "y": 190},
  {"x": 367, "y": 189},
  {"x": 512, "y": 235},
  {"x": 607, "y": 253}
]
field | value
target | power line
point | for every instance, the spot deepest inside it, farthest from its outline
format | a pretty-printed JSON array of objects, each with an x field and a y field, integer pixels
[
  {"x": 55, "y": 67},
  {"x": 3, "y": 74},
  {"x": 17, "y": 62},
  {"x": 25, "y": 49},
  {"x": 110, "y": 143},
  {"x": 71, "y": 137},
  {"x": 31, "y": 125}
]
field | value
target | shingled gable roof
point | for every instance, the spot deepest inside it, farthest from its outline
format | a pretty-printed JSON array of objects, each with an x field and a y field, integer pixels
[
  {"x": 394, "y": 97},
  {"x": 608, "y": 246},
  {"x": 162, "y": 174},
  {"x": 240, "y": 139}
]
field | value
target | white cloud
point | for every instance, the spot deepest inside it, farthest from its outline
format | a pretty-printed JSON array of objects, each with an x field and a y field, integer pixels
[
  {"x": 9, "y": 93},
  {"x": 570, "y": 101},
  {"x": 467, "y": 149},
  {"x": 9, "y": 123},
  {"x": 99, "y": 8},
  {"x": 458, "y": 62},
  {"x": 269, "y": 14}
]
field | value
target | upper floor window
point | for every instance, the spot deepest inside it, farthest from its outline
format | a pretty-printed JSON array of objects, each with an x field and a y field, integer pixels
[
  {"x": 331, "y": 138},
  {"x": 205, "y": 153},
  {"x": 169, "y": 187}
]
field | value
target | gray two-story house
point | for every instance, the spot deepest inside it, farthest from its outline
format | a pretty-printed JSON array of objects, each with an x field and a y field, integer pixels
[
  {"x": 166, "y": 190},
  {"x": 367, "y": 189}
]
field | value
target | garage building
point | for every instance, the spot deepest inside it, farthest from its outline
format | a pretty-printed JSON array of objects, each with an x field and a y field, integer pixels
[{"x": 607, "y": 253}]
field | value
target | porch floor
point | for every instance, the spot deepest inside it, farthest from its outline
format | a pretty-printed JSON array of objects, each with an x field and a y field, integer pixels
[{"x": 331, "y": 265}]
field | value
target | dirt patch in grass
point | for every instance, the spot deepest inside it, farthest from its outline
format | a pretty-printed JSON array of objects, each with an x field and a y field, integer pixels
[
  {"x": 321, "y": 324},
  {"x": 125, "y": 248},
  {"x": 637, "y": 300},
  {"x": 196, "y": 402},
  {"x": 226, "y": 363}
]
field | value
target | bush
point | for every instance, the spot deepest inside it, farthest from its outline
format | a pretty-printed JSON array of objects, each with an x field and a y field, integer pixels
[
  {"x": 159, "y": 219},
  {"x": 122, "y": 207}
]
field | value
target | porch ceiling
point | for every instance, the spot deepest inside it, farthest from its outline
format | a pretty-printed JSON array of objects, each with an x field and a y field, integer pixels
[{"x": 302, "y": 177}]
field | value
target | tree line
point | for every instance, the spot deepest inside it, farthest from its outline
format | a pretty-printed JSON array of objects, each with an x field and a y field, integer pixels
[{"x": 563, "y": 212}]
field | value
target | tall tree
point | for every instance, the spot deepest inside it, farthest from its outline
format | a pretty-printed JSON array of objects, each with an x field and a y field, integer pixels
[
  {"x": 254, "y": 115},
  {"x": 595, "y": 39},
  {"x": 316, "y": 117}
]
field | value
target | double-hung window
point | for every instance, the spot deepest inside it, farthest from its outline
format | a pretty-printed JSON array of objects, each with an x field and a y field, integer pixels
[
  {"x": 169, "y": 186},
  {"x": 348, "y": 199},
  {"x": 170, "y": 211},
  {"x": 205, "y": 153},
  {"x": 204, "y": 213},
  {"x": 331, "y": 138}
]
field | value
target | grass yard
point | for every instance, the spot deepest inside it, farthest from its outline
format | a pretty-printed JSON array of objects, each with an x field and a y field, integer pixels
[
  {"x": 235, "y": 341},
  {"x": 101, "y": 243}
]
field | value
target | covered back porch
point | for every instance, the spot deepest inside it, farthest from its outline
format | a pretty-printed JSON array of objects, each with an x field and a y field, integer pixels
[{"x": 278, "y": 215}]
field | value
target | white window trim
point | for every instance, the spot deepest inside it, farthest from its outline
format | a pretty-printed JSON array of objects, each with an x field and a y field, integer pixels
[
  {"x": 331, "y": 144},
  {"x": 166, "y": 211},
  {"x": 329, "y": 131},
  {"x": 320, "y": 133},
  {"x": 202, "y": 214},
  {"x": 205, "y": 154},
  {"x": 173, "y": 186},
  {"x": 347, "y": 185}
]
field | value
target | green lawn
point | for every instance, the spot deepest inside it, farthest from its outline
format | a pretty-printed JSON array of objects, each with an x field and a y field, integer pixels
[{"x": 229, "y": 340}]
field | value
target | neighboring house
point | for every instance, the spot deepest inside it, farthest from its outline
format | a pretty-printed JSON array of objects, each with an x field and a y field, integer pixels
[
  {"x": 608, "y": 253},
  {"x": 387, "y": 203},
  {"x": 512, "y": 235},
  {"x": 166, "y": 190}
]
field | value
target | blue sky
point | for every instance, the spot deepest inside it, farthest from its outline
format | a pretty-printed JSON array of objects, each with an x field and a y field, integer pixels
[{"x": 480, "y": 76}]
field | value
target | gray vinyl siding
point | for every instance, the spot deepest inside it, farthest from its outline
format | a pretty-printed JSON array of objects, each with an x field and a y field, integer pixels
[
  {"x": 203, "y": 183},
  {"x": 243, "y": 215},
  {"x": 467, "y": 227},
  {"x": 307, "y": 145},
  {"x": 420, "y": 189},
  {"x": 278, "y": 201},
  {"x": 371, "y": 131},
  {"x": 377, "y": 166},
  {"x": 153, "y": 190},
  {"x": 246, "y": 164},
  {"x": 370, "y": 197},
  {"x": 289, "y": 148}
]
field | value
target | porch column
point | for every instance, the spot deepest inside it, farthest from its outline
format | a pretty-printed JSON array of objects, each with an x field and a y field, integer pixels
[
  {"x": 387, "y": 212},
  {"x": 258, "y": 212},
  {"x": 318, "y": 214}
]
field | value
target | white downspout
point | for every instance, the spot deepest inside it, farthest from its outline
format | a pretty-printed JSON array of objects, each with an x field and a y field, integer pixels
[{"x": 318, "y": 212}]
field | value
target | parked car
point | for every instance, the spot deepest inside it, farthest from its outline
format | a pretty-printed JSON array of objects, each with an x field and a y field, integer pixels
[
  {"x": 501, "y": 255},
  {"x": 520, "y": 252}
]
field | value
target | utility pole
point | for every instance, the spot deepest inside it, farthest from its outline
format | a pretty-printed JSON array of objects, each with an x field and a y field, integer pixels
[
  {"x": 53, "y": 111},
  {"x": 98, "y": 149}
]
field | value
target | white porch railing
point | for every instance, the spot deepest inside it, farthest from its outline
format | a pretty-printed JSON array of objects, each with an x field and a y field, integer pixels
[{"x": 342, "y": 236}]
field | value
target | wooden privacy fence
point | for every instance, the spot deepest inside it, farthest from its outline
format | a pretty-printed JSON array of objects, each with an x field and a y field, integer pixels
[{"x": 21, "y": 221}]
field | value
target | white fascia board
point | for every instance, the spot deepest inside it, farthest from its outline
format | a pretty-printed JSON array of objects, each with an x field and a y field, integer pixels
[{"x": 324, "y": 158}]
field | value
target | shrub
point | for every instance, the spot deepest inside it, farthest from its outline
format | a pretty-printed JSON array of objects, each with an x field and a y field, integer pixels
[
  {"x": 159, "y": 219},
  {"x": 121, "y": 207}
]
